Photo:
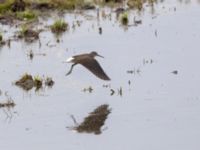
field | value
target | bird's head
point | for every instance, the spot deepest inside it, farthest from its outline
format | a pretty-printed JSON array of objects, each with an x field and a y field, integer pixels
[{"x": 93, "y": 54}]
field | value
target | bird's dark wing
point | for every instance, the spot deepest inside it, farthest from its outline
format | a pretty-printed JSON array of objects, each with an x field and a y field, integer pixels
[{"x": 92, "y": 65}]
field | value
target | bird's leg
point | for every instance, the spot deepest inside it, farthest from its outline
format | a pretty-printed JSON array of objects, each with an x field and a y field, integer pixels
[{"x": 70, "y": 71}]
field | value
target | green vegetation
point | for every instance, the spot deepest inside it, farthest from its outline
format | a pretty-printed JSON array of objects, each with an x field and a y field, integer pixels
[
  {"x": 124, "y": 18},
  {"x": 23, "y": 30},
  {"x": 37, "y": 82},
  {"x": 26, "y": 15},
  {"x": 6, "y": 6},
  {"x": 138, "y": 4},
  {"x": 59, "y": 26}
]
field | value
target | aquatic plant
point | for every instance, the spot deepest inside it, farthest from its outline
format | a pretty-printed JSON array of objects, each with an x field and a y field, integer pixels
[
  {"x": 6, "y": 6},
  {"x": 59, "y": 26},
  {"x": 28, "y": 33},
  {"x": 138, "y": 4},
  {"x": 37, "y": 82},
  {"x": 26, "y": 15},
  {"x": 124, "y": 18},
  {"x": 25, "y": 82}
]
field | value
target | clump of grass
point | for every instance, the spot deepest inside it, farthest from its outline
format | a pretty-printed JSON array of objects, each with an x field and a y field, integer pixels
[
  {"x": 124, "y": 18},
  {"x": 6, "y": 6},
  {"x": 37, "y": 82},
  {"x": 136, "y": 4},
  {"x": 27, "y": 82},
  {"x": 59, "y": 26},
  {"x": 26, "y": 15},
  {"x": 27, "y": 33},
  {"x": 23, "y": 30}
]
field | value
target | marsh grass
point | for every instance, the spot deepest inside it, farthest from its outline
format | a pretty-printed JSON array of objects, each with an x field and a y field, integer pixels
[
  {"x": 27, "y": 15},
  {"x": 6, "y": 6},
  {"x": 59, "y": 26},
  {"x": 139, "y": 4},
  {"x": 124, "y": 18}
]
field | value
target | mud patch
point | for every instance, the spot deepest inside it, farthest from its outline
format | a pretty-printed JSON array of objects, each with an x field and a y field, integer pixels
[{"x": 95, "y": 120}]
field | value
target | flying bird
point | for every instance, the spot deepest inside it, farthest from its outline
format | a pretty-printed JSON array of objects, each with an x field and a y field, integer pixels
[{"x": 88, "y": 61}]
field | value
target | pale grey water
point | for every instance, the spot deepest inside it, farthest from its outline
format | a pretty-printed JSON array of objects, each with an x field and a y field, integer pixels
[{"x": 159, "y": 110}]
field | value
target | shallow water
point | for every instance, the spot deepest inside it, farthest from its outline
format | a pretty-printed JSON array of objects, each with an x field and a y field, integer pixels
[{"x": 158, "y": 110}]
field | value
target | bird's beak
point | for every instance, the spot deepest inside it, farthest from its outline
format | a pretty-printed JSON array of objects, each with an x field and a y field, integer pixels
[{"x": 100, "y": 56}]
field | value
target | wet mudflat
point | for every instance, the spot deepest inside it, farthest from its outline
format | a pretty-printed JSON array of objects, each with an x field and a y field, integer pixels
[{"x": 153, "y": 96}]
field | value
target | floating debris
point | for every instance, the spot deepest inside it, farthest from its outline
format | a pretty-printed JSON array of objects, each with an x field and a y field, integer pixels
[
  {"x": 100, "y": 30},
  {"x": 95, "y": 120},
  {"x": 156, "y": 33},
  {"x": 7, "y": 104},
  {"x": 120, "y": 91},
  {"x": 146, "y": 61},
  {"x": 89, "y": 89},
  {"x": 137, "y": 22},
  {"x": 49, "y": 82},
  {"x": 112, "y": 92},
  {"x": 129, "y": 82},
  {"x": 31, "y": 55},
  {"x": 175, "y": 72},
  {"x": 106, "y": 85},
  {"x": 134, "y": 71}
]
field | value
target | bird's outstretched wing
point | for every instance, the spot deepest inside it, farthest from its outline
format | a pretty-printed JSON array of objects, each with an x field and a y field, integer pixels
[{"x": 92, "y": 65}]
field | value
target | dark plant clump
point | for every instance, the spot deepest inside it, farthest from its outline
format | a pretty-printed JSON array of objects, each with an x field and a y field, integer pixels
[
  {"x": 27, "y": 82},
  {"x": 59, "y": 26}
]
